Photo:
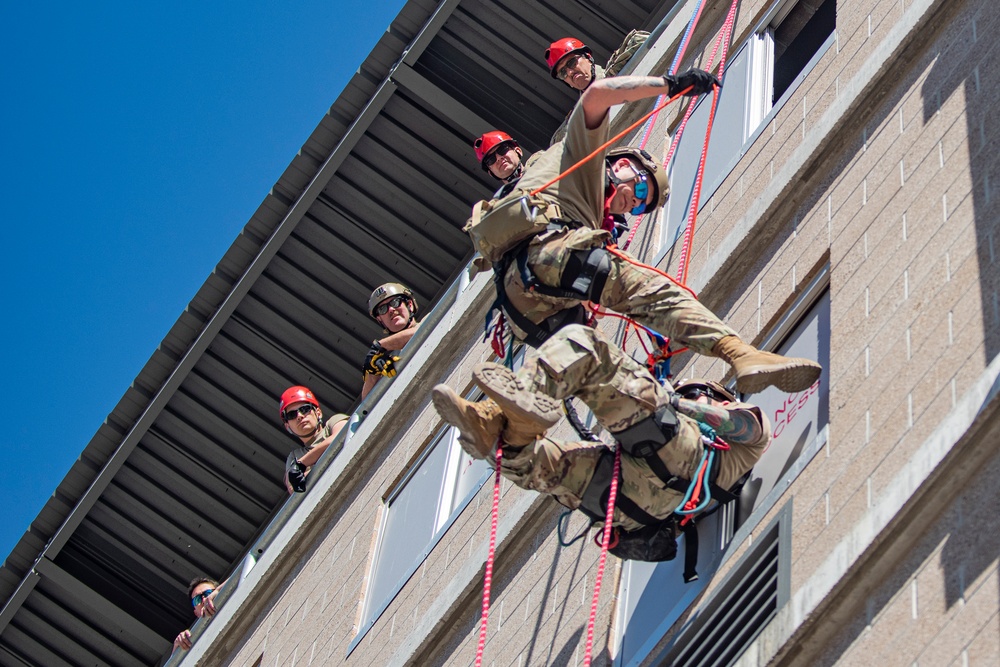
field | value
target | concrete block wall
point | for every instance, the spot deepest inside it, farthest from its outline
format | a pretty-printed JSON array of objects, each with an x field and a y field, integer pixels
[{"x": 897, "y": 196}]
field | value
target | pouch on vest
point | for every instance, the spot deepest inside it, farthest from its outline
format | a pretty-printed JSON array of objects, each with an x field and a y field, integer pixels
[
  {"x": 497, "y": 226},
  {"x": 652, "y": 544}
]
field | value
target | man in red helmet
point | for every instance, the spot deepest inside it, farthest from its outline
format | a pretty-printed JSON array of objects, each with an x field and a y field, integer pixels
[
  {"x": 303, "y": 418},
  {"x": 547, "y": 241},
  {"x": 501, "y": 157},
  {"x": 571, "y": 61},
  {"x": 394, "y": 307}
]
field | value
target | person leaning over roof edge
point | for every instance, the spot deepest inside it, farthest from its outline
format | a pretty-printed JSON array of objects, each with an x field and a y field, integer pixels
[
  {"x": 393, "y": 306},
  {"x": 548, "y": 249},
  {"x": 303, "y": 418},
  {"x": 202, "y": 591}
]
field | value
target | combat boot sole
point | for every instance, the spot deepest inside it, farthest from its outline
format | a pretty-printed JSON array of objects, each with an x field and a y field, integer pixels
[
  {"x": 789, "y": 374},
  {"x": 479, "y": 432},
  {"x": 529, "y": 414}
]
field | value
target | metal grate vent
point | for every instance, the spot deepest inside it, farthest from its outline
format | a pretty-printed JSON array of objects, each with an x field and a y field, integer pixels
[{"x": 738, "y": 611}]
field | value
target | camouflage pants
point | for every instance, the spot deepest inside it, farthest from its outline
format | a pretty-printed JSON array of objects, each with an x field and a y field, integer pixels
[
  {"x": 583, "y": 362},
  {"x": 635, "y": 290}
]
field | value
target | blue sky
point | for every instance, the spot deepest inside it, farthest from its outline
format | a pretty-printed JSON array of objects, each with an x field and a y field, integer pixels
[{"x": 136, "y": 140}]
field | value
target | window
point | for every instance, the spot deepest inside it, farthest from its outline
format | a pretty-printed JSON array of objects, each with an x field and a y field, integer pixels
[
  {"x": 653, "y": 596},
  {"x": 416, "y": 515},
  {"x": 759, "y": 75},
  {"x": 796, "y": 419},
  {"x": 796, "y": 38}
]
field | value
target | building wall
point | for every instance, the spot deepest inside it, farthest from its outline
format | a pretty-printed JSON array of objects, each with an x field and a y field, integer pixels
[{"x": 881, "y": 166}]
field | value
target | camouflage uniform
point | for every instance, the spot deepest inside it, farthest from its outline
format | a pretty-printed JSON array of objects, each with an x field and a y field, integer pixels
[
  {"x": 633, "y": 289},
  {"x": 583, "y": 362}
]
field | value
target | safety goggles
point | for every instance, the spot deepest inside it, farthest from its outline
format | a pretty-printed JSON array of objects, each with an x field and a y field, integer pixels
[
  {"x": 641, "y": 191},
  {"x": 303, "y": 410},
  {"x": 396, "y": 301},
  {"x": 563, "y": 71},
  {"x": 201, "y": 597},
  {"x": 502, "y": 149},
  {"x": 696, "y": 392}
]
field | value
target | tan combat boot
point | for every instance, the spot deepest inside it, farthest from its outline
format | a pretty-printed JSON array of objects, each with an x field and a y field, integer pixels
[
  {"x": 529, "y": 414},
  {"x": 757, "y": 370},
  {"x": 479, "y": 423}
]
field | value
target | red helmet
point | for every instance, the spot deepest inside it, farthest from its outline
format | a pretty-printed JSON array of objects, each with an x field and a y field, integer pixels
[
  {"x": 486, "y": 143},
  {"x": 561, "y": 48},
  {"x": 295, "y": 394}
]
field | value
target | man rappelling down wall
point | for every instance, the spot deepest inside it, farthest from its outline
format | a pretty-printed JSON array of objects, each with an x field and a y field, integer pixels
[{"x": 546, "y": 243}]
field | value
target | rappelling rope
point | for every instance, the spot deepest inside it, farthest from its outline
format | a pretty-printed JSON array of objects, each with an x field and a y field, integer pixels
[
  {"x": 491, "y": 552},
  {"x": 609, "y": 517},
  {"x": 724, "y": 40},
  {"x": 648, "y": 129}
]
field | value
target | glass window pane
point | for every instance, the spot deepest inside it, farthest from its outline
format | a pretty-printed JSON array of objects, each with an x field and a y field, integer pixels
[
  {"x": 724, "y": 150},
  {"x": 795, "y": 418},
  {"x": 654, "y": 595},
  {"x": 409, "y": 524}
]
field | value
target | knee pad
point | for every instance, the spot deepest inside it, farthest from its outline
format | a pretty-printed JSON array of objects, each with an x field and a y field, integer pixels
[
  {"x": 586, "y": 272},
  {"x": 647, "y": 437}
]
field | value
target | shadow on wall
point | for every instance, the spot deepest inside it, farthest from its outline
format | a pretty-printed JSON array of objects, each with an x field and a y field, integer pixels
[{"x": 974, "y": 75}]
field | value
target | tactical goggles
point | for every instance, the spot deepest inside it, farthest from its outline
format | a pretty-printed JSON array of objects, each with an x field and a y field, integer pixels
[
  {"x": 694, "y": 393},
  {"x": 641, "y": 191},
  {"x": 292, "y": 413},
  {"x": 495, "y": 154},
  {"x": 563, "y": 71},
  {"x": 398, "y": 300},
  {"x": 201, "y": 597}
]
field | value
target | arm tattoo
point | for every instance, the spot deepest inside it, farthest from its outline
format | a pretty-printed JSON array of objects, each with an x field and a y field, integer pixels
[{"x": 733, "y": 426}]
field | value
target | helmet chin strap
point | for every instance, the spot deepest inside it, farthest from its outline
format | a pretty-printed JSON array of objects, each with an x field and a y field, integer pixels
[
  {"x": 515, "y": 175},
  {"x": 611, "y": 188}
]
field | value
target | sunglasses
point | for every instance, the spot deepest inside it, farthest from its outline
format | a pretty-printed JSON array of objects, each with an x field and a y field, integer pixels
[
  {"x": 397, "y": 301},
  {"x": 563, "y": 71},
  {"x": 201, "y": 597},
  {"x": 502, "y": 149},
  {"x": 303, "y": 410},
  {"x": 641, "y": 191}
]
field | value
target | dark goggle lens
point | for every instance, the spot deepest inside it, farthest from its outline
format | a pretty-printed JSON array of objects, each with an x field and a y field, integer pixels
[
  {"x": 394, "y": 302},
  {"x": 502, "y": 149},
  {"x": 563, "y": 71},
  {"x": 303, "y": 410},
  {"x": 200, "y": 597}
]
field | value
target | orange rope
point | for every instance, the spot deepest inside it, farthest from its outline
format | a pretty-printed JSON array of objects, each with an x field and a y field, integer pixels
[{"x": 607, "y": 143}]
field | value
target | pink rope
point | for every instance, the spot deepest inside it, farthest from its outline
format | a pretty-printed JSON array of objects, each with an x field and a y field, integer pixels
[
  {"x": 608, "y": 519},
  {"x": 723, "y": 40},
  {"x": 488, "y": 577}
]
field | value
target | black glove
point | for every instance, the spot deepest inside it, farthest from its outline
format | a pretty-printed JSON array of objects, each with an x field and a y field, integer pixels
[
  {"x": 698, "y": 80},
  {"x": 295, "y": 475},
  {"x": 380, "y": 361}
]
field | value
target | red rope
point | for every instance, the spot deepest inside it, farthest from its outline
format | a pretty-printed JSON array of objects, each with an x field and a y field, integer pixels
[
  {"x": 607, "y": 143},
  {"x": 605, "y": 542},
  {"x": 488, "y": 577}
]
